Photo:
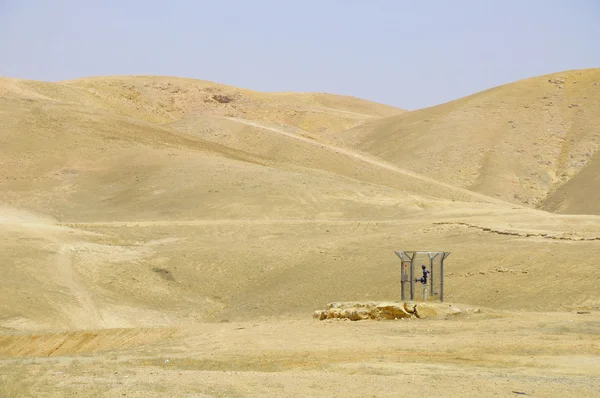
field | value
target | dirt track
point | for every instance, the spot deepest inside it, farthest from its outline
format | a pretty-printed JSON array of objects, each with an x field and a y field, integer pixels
[{"x": 376, "y": 162}]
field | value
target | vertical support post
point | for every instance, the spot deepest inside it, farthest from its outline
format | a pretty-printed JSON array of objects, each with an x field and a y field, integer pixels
[
  {"x": 442, "y": 279},
  {"x": 444, "y": 256},
  {"x": 431, "y": 274},
  {"x": 402, "y": 294},
  {"x": 412, "y": 278},
  {"x": 403, "y": 273},
  {"x": 404, "y": 277}
]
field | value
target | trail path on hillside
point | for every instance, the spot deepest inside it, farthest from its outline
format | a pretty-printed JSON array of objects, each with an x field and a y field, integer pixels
[
  {"x": 166, "y": 223},
  {"x": 373, "y": 161}
]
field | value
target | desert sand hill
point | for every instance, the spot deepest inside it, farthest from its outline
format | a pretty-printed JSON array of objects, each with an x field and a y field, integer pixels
[
  {"x": 532, "y": 142},
  {"x": 238, "y": 217},
  {"x": 73, "y": 163},
  {"x": 140, "y": 223},
  {"x": 165, "y": 99},
  {"x": 72, "y": 159}
]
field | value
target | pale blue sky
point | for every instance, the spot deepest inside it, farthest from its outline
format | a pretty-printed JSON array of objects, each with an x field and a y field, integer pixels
[{"x": 409, "y": 54}]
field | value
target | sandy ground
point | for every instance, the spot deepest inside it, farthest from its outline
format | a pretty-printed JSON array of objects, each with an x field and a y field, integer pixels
[
  {"x": 172, "y": 237},
  {"x": 486, "y": 354}
]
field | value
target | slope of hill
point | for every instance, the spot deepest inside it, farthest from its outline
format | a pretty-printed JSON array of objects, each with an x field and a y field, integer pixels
[
  {"x": 291, "y": 145},
  {"x": 165, "y": 99},
  {"x": 67, "y": 159},
  {"x": 110, "y": 218},
  {"x": 519, "y": 142},
  {"x": 581, "y": 193}
]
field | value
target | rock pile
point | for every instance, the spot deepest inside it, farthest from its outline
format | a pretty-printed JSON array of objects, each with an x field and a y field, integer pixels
[{"x": 356, "y": 311}]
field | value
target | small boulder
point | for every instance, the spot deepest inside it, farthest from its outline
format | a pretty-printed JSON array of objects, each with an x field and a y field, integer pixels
[
  {"x": 392, "y": 311},
  {"x": 426, "y": 310}
]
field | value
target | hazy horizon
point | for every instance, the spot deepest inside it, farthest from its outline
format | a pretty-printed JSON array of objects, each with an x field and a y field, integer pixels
[{"x": 403, "y": 54}]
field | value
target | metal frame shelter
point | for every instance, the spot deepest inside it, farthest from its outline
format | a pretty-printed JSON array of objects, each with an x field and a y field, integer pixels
[{"x": 408, "y": 262}]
